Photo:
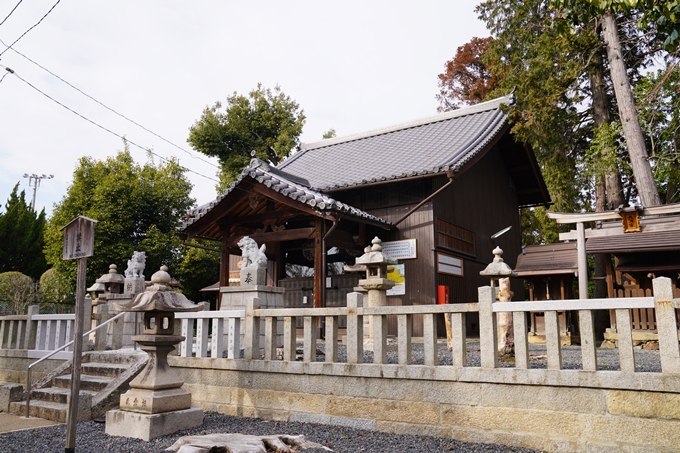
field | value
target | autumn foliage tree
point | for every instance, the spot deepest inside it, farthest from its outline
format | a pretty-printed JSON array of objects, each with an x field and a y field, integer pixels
[{"x": 466, "y": 79}]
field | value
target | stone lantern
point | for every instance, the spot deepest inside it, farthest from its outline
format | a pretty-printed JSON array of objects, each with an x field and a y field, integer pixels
[
  {"x": 156, "y": 405},
  {"x": 111, "y": 283},
  {"x": 497, "y": 269},
  {"x": 376, "y": 282}
]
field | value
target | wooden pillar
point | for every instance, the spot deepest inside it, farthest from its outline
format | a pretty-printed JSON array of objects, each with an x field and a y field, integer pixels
[
  {"x": 224, "y": 262},
  {"x": 279, "y": 271},
  {"x": 319, "y": 271}
]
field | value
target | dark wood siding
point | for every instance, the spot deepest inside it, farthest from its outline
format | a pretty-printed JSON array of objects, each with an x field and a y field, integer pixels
[
  {"x": 482, "y": 200},
  {"x": 419, "y": 287}
]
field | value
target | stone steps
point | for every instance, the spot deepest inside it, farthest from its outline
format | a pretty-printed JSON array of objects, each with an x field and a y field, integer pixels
[
  {"x": 55, "y": 395},
  {"x": 104, "y": 376}
]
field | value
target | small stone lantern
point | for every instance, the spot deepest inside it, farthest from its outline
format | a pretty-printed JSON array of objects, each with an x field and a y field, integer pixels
[
  {"x": 156, "y": 405},
  {"x": 111, "y": 283},
  {"x": 497, "y": 269}
]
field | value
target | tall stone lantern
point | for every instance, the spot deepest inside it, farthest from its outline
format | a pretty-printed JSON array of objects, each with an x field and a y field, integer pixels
[
  {"x": 376, "y": 282},
  {"x": 155, "y": 405}
]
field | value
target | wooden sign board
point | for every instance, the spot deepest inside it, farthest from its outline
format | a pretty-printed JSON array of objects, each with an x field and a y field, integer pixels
[
  {"x": 78, "y": 238},
  {"x": 400, "y": 250}
]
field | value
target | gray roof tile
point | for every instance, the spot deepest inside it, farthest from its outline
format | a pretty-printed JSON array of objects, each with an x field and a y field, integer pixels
[
  {"x": 431, "y": 145},
  {"x": 291, "y": 186}
]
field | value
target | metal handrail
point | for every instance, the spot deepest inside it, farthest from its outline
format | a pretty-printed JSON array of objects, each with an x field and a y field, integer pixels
[{"x": 28, "y": 372}]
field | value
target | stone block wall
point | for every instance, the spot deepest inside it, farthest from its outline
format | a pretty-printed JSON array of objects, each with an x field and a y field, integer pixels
[
  {"x": 551, "y": 411},
  {"x": 14, "y": 363}
]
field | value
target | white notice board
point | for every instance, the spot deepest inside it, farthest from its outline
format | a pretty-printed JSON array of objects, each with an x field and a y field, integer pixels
[{"x": 400, "y": 250}]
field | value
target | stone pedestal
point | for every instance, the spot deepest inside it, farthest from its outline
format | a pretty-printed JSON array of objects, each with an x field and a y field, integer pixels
[
  {"x": 155, "y": 405},
  {"x": 149, "y": 426},
  {"x": 133, "y": 285},
  {"x": 235, "y": 297},
  {"x": 253, "y": 276}
]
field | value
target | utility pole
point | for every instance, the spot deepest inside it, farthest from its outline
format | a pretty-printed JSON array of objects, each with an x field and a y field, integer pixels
[{"x": 35, "y": 179}]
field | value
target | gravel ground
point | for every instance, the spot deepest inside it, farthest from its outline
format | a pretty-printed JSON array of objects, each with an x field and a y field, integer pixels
[
  {"x": 91, "y": 436},
  {"x": 607, "y": 359}
]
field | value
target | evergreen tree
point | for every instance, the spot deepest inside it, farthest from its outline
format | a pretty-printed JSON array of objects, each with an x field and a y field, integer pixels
[{"x": 21, "y": 236}]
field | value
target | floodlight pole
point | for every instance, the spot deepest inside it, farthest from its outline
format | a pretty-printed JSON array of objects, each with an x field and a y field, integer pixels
[{"x": 36, "y": 183}]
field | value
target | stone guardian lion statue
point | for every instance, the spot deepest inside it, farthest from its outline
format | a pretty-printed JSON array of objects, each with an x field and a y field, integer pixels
[
  {"x": 252, "y": 256},
  {"x": 136, "y": 265}
]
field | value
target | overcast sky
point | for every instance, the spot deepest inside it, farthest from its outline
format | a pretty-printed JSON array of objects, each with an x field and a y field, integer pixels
[{"x": 352, "y": 66}]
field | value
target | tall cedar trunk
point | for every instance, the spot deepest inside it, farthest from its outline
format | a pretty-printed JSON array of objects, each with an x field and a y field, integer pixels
[
  {"x": 608, "y": 188},
  {"x": 642, "y": 171},
  {"x": 613, "y": 186},
  {"x": 600, "y": 259},
  {"x": 672, "y": 188}
]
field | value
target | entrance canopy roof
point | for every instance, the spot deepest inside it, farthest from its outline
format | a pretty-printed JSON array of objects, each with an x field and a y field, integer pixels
[{"x": 265, "y": 195}]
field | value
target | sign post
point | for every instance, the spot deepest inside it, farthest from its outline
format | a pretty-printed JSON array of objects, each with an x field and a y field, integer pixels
[{"x": 78, "y": 244}]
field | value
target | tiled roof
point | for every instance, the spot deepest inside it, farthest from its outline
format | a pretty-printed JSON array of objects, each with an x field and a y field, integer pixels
[
  {"x": 291, "y": 186},
  {"x": 548, "y": 259},
  {"x": 656, "y": 241},
  {"x": 431, "y": 145}
]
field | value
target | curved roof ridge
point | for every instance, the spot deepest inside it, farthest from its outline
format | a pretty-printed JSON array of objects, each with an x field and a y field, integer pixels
[{"x": 471, "y": 110}]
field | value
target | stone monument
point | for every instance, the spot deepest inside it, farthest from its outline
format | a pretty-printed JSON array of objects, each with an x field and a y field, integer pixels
[{"x": 155, "y": 405}]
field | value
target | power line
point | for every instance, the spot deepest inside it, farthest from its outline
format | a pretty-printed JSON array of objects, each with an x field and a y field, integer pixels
[
  {"x": 24, "y": 33},
  {"x": 110, "y": 109},
  {"x": 102, "y": 127},
  {"x": 10, "y": 13}
]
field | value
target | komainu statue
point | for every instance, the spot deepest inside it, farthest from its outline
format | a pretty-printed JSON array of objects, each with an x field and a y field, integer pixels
[
  {"x": 252, "y": 256},
  {"x": 136, "y": 265}
]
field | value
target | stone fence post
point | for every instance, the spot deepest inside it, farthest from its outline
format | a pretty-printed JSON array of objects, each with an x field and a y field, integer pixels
[
  {"x": 101, "y": 334},
  {"x": 488, "y": 333},
  {"x": 667, "y": 325},
  {"x": 87, "y": 319},
  {"x": 31, "y": 327},
  {"x": 355, "y": 328},
  {"x": 251, "y": 346}
]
